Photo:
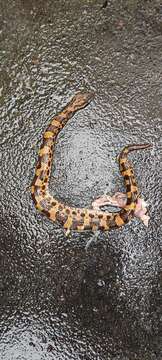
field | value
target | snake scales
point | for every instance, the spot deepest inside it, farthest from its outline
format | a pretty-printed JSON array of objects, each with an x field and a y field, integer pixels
[{"x": 72, "y": 218}]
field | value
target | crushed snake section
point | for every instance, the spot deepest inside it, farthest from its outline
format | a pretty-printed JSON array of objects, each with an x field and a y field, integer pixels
[{"x": 80, "y": 219}]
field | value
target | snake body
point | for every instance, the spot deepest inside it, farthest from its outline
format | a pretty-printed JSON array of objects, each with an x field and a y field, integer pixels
[{"x": 72, "y": 218}]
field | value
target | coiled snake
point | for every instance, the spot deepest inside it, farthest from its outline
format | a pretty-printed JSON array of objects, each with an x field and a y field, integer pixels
[{"x": 72, "y": 218}]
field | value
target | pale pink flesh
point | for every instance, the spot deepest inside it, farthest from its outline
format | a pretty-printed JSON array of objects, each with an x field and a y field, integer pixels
[{"x": 119, "y": 200}]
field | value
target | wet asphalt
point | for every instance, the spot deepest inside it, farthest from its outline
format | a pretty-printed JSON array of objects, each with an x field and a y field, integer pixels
[{"x": 82, "y": 296}]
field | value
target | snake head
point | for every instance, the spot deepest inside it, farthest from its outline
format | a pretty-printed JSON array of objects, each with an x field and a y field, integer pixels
[{"x": 82, "y": 99}]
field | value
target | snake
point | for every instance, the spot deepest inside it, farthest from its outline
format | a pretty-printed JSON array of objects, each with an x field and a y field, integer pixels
[{"x": 74, "y": 218}]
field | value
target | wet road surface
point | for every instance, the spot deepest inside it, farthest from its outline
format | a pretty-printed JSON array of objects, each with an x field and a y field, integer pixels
[{"x": 80, "y": 297}]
